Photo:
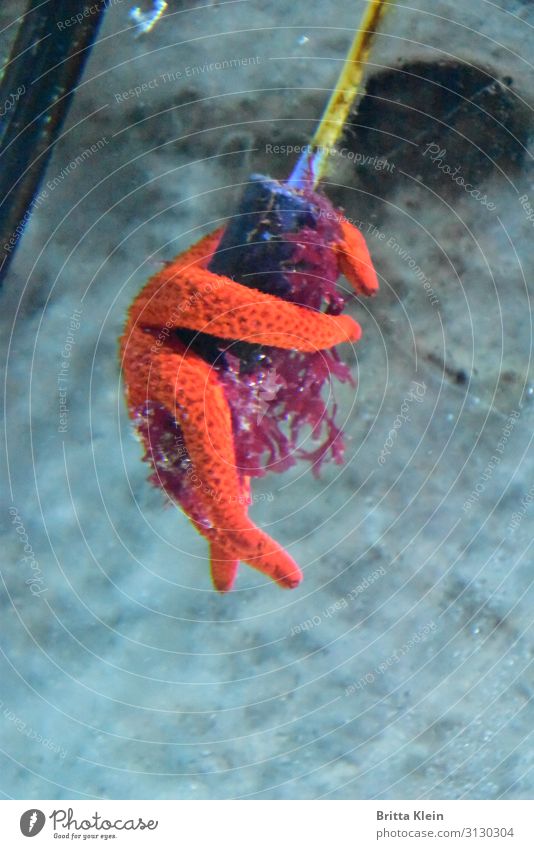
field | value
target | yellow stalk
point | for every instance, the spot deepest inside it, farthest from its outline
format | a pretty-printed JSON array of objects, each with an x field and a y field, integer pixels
[{"x": 345, "y": 92}]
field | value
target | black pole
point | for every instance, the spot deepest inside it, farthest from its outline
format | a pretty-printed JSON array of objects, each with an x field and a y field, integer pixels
[{"x": 46, "y": 62}]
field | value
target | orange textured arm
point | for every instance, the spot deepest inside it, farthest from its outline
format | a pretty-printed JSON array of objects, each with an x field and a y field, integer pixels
[
  {"x": 355, "y": 261},
  {"x": 214, "y": 304},
  {"x": 200, "y": 253}
]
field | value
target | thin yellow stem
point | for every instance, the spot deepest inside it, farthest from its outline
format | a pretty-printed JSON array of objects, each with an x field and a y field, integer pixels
[{"x": 346, "y": 89}]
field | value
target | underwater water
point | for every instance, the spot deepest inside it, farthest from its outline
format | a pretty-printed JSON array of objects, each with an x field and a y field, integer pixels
[{"x": 402, "y": 666}]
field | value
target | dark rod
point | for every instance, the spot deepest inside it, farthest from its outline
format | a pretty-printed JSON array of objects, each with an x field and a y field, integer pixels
[{"x": 51, "y": 48}]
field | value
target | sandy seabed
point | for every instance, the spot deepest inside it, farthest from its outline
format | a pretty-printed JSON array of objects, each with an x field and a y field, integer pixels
[{"x": 400, "y": 668}]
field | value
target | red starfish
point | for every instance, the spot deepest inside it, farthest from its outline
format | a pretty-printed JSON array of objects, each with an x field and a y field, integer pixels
[{"x": 176, "y": 394}]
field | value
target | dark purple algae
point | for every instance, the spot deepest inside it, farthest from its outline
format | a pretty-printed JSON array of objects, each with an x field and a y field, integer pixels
[{"x": 279, "y": 242}]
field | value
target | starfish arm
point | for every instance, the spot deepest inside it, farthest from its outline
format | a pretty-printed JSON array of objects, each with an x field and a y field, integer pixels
[
  {"x": 255, "y": 548},
  {"x": 223, "y": 568},
  {"x": 189, "y": 389},
  {"x": 160, "y": 370},
  {"x": 214, "y": 304},
  {"x": 200, "y": 252},
  {"x": 355, "y": 261}
]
